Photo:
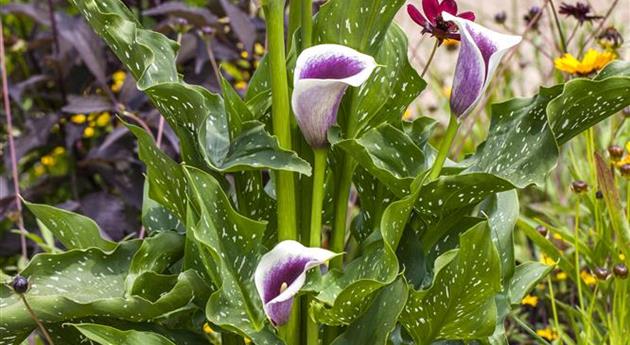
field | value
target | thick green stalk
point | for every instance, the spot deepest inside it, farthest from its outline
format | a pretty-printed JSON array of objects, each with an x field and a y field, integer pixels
[
  {"x": 285, "y": 184},
  {"x": 295, "y": 20},
  {"x": 317, "y": 197},
  {"x": 342, "y": 186},
  {"x": 285, "y": 188},
  {"x": 307, "y": 23},
  {"x": 445, "y": 147}
]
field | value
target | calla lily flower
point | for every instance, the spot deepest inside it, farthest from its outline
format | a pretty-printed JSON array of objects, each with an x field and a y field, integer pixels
[
  {"x": 480, "y": 54},
  {"x": 322, "y": 75},
  {"x": 281, "y": 273}
]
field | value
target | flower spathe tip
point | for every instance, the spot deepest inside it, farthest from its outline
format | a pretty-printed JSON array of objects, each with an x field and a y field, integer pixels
[
  {"x": 480, "y": 54},
  {"x": 322, "y": 75},
  {"x": 281, "y": 273}
]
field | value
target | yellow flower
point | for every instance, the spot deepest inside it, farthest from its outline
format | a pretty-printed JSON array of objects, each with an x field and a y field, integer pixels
[
  {"x": 59, "y": 150},
  {"x": 622, "y": 257},
  {"x": 625, "y": 160},
  {"x": 241, "y": 85},
  {"x": 88, "y": 132},
  {"x": 588, "y": 278},
  {"x": 593, "y": 61},
  {"x": 103, "y": 119},
  {"x": 244, "y": 54},
  {"x": 530, "y": 300},
  {"x": 48, "y": 160},
  {"x": 78, "y": 118},
  {"x": 561, "y": 276},
  {"x": 547, "y": 260},
  {"x": 447, "y": 91},
  {"x": 39, "y": 170},
  {"x": 207, "y": 329},
  {"x": 247, "y": 341},
  {"x": 557, "y": 236},
  {"x": 408, "y": 115},
  {"x": 119, "y": 80},
  {"x": 119, "y": 76},
  {"x": 451, "y": 42},
  {"x": 259, "y": 49},
  {"x": 547, "y": 333}
]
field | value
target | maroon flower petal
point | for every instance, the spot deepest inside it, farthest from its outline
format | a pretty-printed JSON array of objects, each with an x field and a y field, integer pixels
[
  {"x": 468, "y": 15},
  {"x": 415, "y": 15},
  {"x": 431, "y": 9},
  {"x": 449, "y": 6}
]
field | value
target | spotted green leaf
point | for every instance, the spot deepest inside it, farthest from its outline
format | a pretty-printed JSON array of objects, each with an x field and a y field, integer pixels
[
  {"x": 345, "y": 296},
  {"x": 73, "y": 230},
  {"x": 232, "y": 243},
  {"x": 253, "y": 148},
  {"x": 525, "y": 278},
  {"x": 585, "y": 102},
  {"x": 156, "y": 217},
  {"x": 448, "y": 194},
  {"x": 91, "y": 283},
  {"x": 388, "y": 154},
  {"x": 520, "y": 147},
  {"x": 460, "y": 303},
  {"x": 379, "y": 320},
  {"x": 167, "y": 183},
  {"x": 107, "y": 335}
]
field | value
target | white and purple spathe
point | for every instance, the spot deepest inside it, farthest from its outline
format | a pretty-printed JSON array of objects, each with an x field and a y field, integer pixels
[
  {"x": 322, "y": 75},
  {"x": 480, "y": 54},
  {"x": 281, "y": 273}
]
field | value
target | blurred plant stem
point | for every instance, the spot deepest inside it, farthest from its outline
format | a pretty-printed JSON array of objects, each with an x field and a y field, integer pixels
[
  {"x": 40, "y": 325},
  {"x": 14, "y": 162},
  {"x": 576, "y": 239},
  {"x": 426, "y": 67},
  {"x": 307, "y": 23},
  {"x": 554, "y": 309},
  {"x": 295, "y": 21},
  {"x": 563, "y": 41}
]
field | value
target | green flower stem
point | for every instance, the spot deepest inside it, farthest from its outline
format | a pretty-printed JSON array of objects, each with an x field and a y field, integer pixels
[
  {"x": 285, "y": 184},
  {"x": 318, "y": 196},
  {"x": 578, "y": 279},
  {"x": 554, "y": 310},
  {"x": 307, "y": 23},
  {"x": 563, "y": 41},
  {"x": 344, "y": 182},
  {"x": 445, "y": 147},
  {"x": 295, "y": 20},
  {"x": 315, "y": 236},
  {"x": 426, "y": 67}
]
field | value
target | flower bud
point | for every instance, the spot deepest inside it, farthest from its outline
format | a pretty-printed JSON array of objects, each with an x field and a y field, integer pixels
[
  {"x": 615, "y": 152},
  {"x": 579, "y": 186},
  {"x": 207, "y": 31},
  {"x": 621, "y": 271},
  {"x": 542, "y": 230},
  {"x": 533, "y": 17},
  {"x": 601, "y": 273},
  {"x": 500, "y": 17},
  {"x": 599, "y": 194},
  {"x": 20, "y": 284},
  {"x": 610, "y": 38},
  {"x": 180, "y": 25},
  {"x": 625, "y": 170}
]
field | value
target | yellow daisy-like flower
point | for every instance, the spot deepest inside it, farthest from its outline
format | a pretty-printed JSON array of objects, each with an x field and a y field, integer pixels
[
  {"x": 103, "y": 119},
  {"x": 207, "y": 329},
  {"x": 259, "y": 49},
  {"x": 48, "y": 160},
  {"x": 78, "y": 118},
  {"x": 244, "y": 54},
  {"x": 561, "y": 276},
  {"x": 450, "y": 42},
  {"x": 241, "y": 85},
  {"x": 547, "y": 333},
  {"x": 547, "y": 260},
  {"x": 88, "y": 132},
  {"x": 247, "y": 341},
  {"x": 39, "y": 170},
  {"x": 622, "y": 257},
  {"x": 530, "y": 300},
  {"x": 408, "y": 115},
  {"x": 593, "y": 61},
  {"x": 59, "y": 150},
  {"x": 588, "y": 278},
  {"x": 119, "y": 80}
]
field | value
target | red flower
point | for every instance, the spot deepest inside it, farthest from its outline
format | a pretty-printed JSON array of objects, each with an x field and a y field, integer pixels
[{"x": 433, "y": 23}]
